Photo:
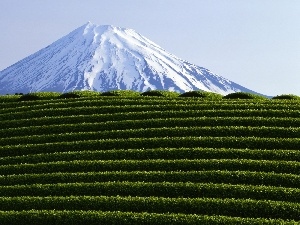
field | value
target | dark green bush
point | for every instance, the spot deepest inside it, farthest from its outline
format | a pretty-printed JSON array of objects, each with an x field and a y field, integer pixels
[
  {"x": 39, "y": 96},
  {"x": 125, "y": 93},
  {"x": 29, "y": 97},
  {"x": 160, "y": 93},
  {"x": 243, "y": 95},
  {"x": 287, "y": 96},
  {"x": 69, "y": 95},
  {"x": 202, "y": 94}
]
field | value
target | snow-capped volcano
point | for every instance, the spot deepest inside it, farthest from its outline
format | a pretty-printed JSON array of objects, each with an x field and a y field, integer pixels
[{"x": 106, "y": 58}]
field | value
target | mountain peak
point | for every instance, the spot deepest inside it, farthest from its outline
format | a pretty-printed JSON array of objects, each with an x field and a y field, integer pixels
[
  {"x": 105, "y": 57},
  {"x": 94, "y": 29}
]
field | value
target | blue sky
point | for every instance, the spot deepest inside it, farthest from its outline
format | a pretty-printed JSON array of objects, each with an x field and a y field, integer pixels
[{"x": 254, "y": 43}]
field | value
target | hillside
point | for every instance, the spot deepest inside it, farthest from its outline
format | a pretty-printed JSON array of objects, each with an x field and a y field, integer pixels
[{"x": 149, "y": 160}]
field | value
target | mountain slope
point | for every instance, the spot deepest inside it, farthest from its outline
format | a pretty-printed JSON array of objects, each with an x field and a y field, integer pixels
[{"x": 106, "y": 58}]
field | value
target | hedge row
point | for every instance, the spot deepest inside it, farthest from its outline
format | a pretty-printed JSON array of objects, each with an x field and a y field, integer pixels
[
  {"x": 164, "y": 142},
  {"x": 266, "y": 132},
  {"x": 134, "y": 143},
  {"x": 159, "y": 153},
  {"x": 213, "y": 176},
  {"x": 77, "y": 123},
  {"x": 163, "y": 189},
  {"x": 27, "y": 106},
  {"x": 291, "y": 167},
  {"x": 205, "y": 206},
  {"x": 125, "y": 109},
  {"x": 86, "y": 101},
  {"x": 75, "y": 217},
  {"x": 6, "y": 108},
  {"x": 155, "y": 124}
]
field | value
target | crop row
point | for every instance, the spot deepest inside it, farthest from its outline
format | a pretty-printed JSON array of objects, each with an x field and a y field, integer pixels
[
  {"x": 137, "y": 104},
  {"x": 75, "y": 217},
  {"x": 213, "y": 176},
  {"x": 136, "y": 108},
  {"x": 204, "y": 206},
  {"x": 292, "y": 167},
  {"x": 75, "y": 123},
  {"x": 114, "y": 102},
  {"x": 266, "y": 132},
  {"x": 121, "y": 100},
  {"x": 159, "y": 153},
  {"x": 127, "y": 129},
  {"x": 164, "y": 142},
  {"x": 142, "y": 100},
  {"x": 163, "y": 189},
  {"x": 91, "y": 103}
]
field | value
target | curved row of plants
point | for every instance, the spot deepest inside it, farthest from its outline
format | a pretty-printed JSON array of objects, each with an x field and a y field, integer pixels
[
  {"x": 129, "y": 93},
  {"x": 217, "y": 131},
  {"x": 96, "y": 217},
  {"x": 205, "y": 206},
  {"x": 152, "y": 153},
  {"x": 287, "y": 127},
  {"x": 92, "y": 106},
  {"x": 192, "y": 177}
]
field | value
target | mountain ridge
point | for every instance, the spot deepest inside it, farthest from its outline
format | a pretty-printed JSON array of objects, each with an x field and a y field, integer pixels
[{"x": 103, "y": 58}]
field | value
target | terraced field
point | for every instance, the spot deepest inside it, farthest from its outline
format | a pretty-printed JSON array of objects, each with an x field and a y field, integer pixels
[{"x": 149, "y": 160}]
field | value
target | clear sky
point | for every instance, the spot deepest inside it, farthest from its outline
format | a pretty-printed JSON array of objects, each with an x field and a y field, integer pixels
[{"x": 254, "y": 43}]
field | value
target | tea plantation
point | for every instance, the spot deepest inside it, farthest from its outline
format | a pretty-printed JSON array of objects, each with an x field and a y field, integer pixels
[{"x": 125, "y": 158}]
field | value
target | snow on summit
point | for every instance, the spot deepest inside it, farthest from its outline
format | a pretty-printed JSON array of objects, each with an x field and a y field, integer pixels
[{"x": 106, "y": 57}]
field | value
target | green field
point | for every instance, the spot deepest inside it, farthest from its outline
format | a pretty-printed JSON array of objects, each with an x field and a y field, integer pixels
[{"x": 131, "y": 159}]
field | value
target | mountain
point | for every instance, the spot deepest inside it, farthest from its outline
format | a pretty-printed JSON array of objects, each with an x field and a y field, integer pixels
[{"x": 106, "y": 58}]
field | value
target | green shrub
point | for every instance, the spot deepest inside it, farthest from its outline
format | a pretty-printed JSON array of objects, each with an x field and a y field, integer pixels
[
  {"x": 79, "y": 93},
  {"x": 202, "y": 94},
  {"x": 29, "y": 97},
  {"x": 160, "y": 93},
  {"x": 39, "y": 96},
  {"x": 287, "y": 96},
  {"x": 243, "y": 95},
  {"x": 125, "y": 93},
  {"x": 69, "y": 95}
]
